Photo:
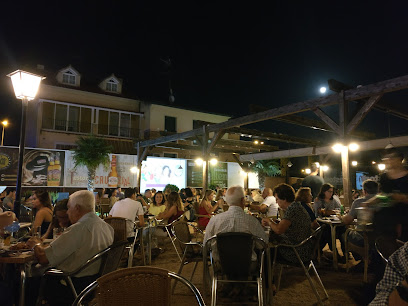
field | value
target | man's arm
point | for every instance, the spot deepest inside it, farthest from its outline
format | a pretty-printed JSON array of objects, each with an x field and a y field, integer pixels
[
  {"x": 141, "y": 220},
  {"x": 39, "y": 253},
  {"x": 262, "y": 208}
]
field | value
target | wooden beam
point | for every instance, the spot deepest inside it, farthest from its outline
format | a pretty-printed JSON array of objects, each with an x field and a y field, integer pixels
[
  {"x": 349, "y": 95},
  {"x": 368, "y": 145},
  {"x": 217, "y": 136},
  {"x": 362, "y": 112},
  {"x": 273, "y": 136},
  {"x": 326, "y": 119},
  {"x": 245, "y": 144}
]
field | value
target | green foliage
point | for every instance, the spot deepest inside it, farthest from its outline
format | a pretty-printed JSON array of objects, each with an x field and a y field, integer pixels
[
  {"x": 172, "y": 187},
  {"x": 266, "y": 168},
  {"x": 91, "y": 152},
  {"x": 53, "y": 196}
]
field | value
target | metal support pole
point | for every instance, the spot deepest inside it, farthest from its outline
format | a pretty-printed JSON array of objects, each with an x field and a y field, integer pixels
[
  {"x": 17, "y": 202},
  {"x": 2, "y": 136}
]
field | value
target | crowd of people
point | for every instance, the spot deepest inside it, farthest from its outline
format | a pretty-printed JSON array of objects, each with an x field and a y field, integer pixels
[{"x": 290, "y": 212}]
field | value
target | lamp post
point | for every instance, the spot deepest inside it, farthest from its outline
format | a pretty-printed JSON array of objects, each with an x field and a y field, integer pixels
[
  {"x": 25, "y": 87},
  {"x": 4, "y": 123}
]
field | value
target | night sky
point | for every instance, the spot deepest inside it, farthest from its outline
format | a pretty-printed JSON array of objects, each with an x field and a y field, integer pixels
[{"x": 224, "y": 55}]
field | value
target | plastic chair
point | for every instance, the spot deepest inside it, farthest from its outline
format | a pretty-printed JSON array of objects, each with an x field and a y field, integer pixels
[
  {"x": 237, "y": 269},
  {"x": 136, "y": 286},
  {"x": 120, "y": 234},
  {"x": 314, "y": 239},
  {"x": 385, "y": 246},
  {"x": 190, "y": 246},
  {"x": 109, "y": 261}
]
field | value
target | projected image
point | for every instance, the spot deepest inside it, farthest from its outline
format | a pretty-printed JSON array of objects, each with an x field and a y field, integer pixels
[{"x": 157, "y": 172}]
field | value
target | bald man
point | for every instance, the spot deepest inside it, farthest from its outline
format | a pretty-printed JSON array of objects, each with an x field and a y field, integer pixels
[{"x": 269, "y": 206}]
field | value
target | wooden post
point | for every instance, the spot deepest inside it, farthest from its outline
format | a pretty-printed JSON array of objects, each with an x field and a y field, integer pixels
[
  {"x": 139, "y": 167},
  {"x": 345, "y": 166},
  {"x": 205, "y": 159}
]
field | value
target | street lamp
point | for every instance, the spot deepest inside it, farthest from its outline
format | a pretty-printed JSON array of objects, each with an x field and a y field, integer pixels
[
  {"x": 4, "y": 123},
  {"x": 25, "y": 87}
]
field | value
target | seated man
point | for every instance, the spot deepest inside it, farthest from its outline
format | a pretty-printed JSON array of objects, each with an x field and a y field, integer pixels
[
  {"x": 87, "y": 236},
  {"x": 235, "y": 219},
  {"x": 393, "y": 288},
  {"x": 269, "y": 205},
  {"x": 370, "y": 189},
  {"x": 129, "y": 209}
]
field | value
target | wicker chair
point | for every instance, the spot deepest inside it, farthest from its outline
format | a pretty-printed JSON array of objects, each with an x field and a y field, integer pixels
[
  {"x": 314, "y": 239},
  {"x": 191, "y": 246},
  {"x": 142, "y": 286},
  {"x": 109, "y": 257},
  {"x": 120, "y": 234}
]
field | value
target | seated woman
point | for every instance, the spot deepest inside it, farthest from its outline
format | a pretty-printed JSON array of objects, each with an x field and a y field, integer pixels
[
  {"x": 206, "y": 209},
  {"x": 294, "y": 226},
  {"x": 219, "y": 198},
  {"x": 59, "y": 220},
  {"x": 304, "y": 196},
  {"x": 325, "y": 204},
  {"x": 174, "y": 208},
  {"x": 158, "y": 206},
  {"x": 42, "y": 203}
]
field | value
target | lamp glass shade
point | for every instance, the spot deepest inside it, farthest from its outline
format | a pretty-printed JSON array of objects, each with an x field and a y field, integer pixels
[{"x": 25, "y": 84}]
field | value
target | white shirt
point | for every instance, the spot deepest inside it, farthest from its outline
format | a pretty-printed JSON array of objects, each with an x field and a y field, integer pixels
[
  {"x": 129, "y": 209},
  {"x": 273, "y": 207},
  {"x": 80, "y": 242}
]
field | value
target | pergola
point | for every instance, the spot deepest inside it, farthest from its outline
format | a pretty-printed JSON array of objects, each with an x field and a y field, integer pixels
[{"x": 208, "y": 138}]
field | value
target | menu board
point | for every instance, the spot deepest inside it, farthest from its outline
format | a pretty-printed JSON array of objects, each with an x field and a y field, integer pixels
[{"x": 217, "y": 174}]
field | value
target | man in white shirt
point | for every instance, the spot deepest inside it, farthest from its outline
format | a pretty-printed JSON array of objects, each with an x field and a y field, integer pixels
[
  {"x": 269, "y": 205},
  {"x": 235, "y": 219},
  {"x": 87, "y": 236},
  {"x": 129, "y": 208}
]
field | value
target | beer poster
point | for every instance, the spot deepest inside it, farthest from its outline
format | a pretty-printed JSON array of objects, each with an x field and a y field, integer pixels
[
  {"x": 116, "y": 174},
  {"x": 40, "y": 167}
]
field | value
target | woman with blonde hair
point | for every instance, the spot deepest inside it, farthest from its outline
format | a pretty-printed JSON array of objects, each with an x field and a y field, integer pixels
[
  {"x": 219, "y": 198},
  {"x": 304, "y": 196},
  {"x": 206, "y": 209}
]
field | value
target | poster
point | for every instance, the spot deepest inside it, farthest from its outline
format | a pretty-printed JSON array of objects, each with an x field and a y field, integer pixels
[
  {"x": 40, "y": 167},
  {"x": 78, "y": 177},
  {"x": 157, "y": 172}
]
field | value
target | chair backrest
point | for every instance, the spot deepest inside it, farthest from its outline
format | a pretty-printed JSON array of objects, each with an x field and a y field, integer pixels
[
  {"x": 111, "y": 261},
  {"x": 181, "y": 231},
  {"x": 137, "y": 286},
  {"x": 385, "y": 246},
  {"x": 235, "y": 252},
  {"x": 104, "y": 201},
  {"x": 119, "y": 227}
]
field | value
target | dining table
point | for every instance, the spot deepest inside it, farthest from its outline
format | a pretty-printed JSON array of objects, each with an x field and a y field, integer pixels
[
  {"x": 19, "y": 259},
  {"x": 333, "y": 221}
]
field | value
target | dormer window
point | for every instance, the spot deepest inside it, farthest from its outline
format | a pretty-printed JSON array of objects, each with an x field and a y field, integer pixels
[
  {"x": 112, "y": 85},
  {"x": 68, "y": 78}
]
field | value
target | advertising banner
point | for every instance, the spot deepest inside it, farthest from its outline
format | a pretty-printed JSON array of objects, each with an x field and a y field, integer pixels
[
  {"x": 157, "y": 172},
  {"x": 117, "y": 174},
  {"x": 40, "y": 167}
]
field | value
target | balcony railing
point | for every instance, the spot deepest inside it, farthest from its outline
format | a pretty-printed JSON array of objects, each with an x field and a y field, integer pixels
[{"x": 87, "y": 128}]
